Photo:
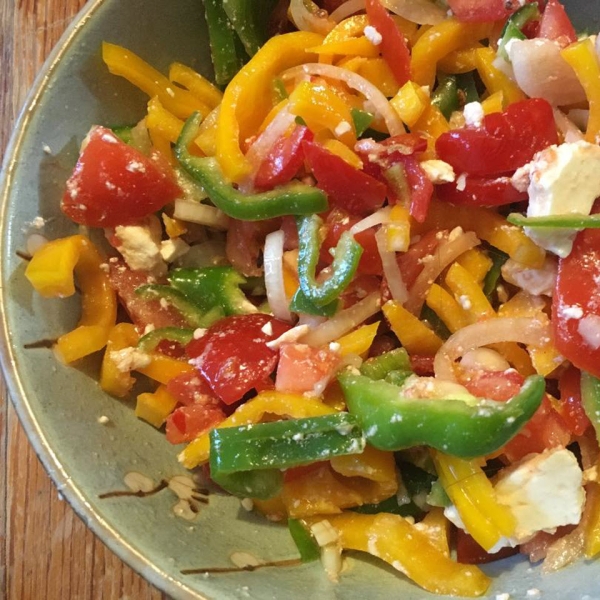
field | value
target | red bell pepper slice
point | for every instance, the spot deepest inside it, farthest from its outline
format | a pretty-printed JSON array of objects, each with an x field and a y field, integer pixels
[
  {"x": 421, "y": 188},
  {"x": 283, "y": 160},
  {"x": 393, "y": 45},
  {"x": 480, "y": 191},
  {"x": 347, "y": 187},
  {"x": 577, "y": 285},
  {"x": 188, "y": 422},
  {"x": 504, "y": 142},
  {"x": 556, "y": 25}
]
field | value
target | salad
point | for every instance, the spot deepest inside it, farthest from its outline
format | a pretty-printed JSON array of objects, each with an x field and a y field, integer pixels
[{"x": 362, "y": 272}]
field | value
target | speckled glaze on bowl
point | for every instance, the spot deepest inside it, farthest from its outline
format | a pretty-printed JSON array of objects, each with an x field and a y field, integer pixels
[{"x": 60, "y": 406}]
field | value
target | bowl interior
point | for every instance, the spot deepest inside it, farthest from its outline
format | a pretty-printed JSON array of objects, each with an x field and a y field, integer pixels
[{"x": 60, "y": 406}]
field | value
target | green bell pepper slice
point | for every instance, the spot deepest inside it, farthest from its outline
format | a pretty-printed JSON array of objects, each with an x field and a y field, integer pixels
[
  {"x": 379, "y": 367},
  {"x": 291, "y": 199},
  {"x": 393, "y": 422},
  {"x": 514, "y": 24},
  {"x": 249, "y": 18},
  {"x": 345, "y": 262},
  {"x": 260, "y": 484},
  {"x": 362, "y": 120},
  {"x": 212, "y": 287},
  {"x": 226, "y": 51},
  {"x": 284, "y": 444},
  {"x": 301, "y": 304},
  {"x": 194, "y": 316},
  {"x": 149, "y": 341},
  {"x": 445, "y": 96},
  {"x": 493, "y": 275},
  {"x": 571, "y": 221},
  {"x": 307, "y": 547}
]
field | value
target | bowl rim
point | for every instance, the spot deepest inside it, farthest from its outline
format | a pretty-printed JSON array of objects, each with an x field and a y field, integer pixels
[{"x": 66, "y": 486}]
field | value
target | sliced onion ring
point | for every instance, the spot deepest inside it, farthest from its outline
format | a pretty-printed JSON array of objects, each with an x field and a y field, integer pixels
[
  {"x": 344, "y": 321},
  {"x": 524, "y": 330},
  {"x": 307, "y": 16},
  {"x": 423, "y": 12},
  {"x": 366, "y": 88},
  {"x": 391, "y": 269},
  {"x": 347, "y": 9},
  {"x": 273, "y": 266}
]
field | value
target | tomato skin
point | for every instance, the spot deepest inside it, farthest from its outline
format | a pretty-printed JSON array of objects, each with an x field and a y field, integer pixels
[
  {"x": 421, "y": 188},
  {"x": 393, "y": 45},
  {"x": 481, "y": 191},
  {"x": 504, "y": 142},
  {"x": 233, "y": 356},
  {"x": 556, "y": 25},
  {"x": 576, "y": 285},
  {"x": 339, "y": 221},
  {"x": 188, "y": 422},
  {"x": 283, "y": 160},
  {"x": 478, "y": 11},
  {"x": 191, "y": 388},
  {"x": 544, "y": 430},
  {"x": 115, "y": 184},
  {"x": 571, "y": 409},
  {"x": 347, "y": 188}
]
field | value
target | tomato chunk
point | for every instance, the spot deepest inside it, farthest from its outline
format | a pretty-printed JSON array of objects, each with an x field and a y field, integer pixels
[
  {"x": 480, "y": 191},
  {"x": 504, "y": 142},
  {"x": 115, "y": 184},
  {"x": 303, "y": 368},
  {"x": 556, "y": 25},
  {"x": 577, "y": 336},
  {"x": 188, "y": 422},
  {"x": 571, "y": 409},
  {"x": 233, "y": 355},
  {"x": 479, "y": 11}
]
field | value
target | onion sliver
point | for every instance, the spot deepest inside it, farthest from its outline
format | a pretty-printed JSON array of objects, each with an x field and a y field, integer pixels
[
  {"x": 273, "y": 266},
  {"x": 423, "y": 12},
  {"x": 366, "y": 88},
  {"x": 377, "y": 218},
  {"x": 305, "y": 19},
  {"x": 346, "y": 9},
  {"x": 391, "y": 270},
  {"x": 524, "y": 330},
  {"x": 570, "y": 131},
  {"x": 541, "y": 72},
  {"x": 203, "y": 214},
  {"x": 447, "y": 252},
  {"x": 344, "y": 321}
]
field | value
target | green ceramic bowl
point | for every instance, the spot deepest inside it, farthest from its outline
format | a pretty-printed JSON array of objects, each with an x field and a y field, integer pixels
[{"x": 60, "y": 406}]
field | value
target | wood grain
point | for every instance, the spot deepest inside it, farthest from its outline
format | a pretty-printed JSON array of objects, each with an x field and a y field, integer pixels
[{"x": 46, "y": 552}]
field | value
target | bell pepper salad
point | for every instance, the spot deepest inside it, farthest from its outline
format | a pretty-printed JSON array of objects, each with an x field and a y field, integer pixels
[{"x": 363, "y": 271}]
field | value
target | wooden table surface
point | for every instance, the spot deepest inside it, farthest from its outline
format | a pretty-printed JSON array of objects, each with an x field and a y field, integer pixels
[{"x": 46, "y": 552}]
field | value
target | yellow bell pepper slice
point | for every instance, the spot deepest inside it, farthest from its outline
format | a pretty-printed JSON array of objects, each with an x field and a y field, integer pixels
[
  {"x": 592, "y": 529},
  {"x": 409, "y": 550},
  {"x": 446, "y": 308},
  {"x": 247, "y": 98},
  {"x": 207, "y": 134},
  {"x": 488, "y": 226},
  {"x": 583, "y": 58},
  {"x": 436, "y": 527},
  {"x": 372, "y": 464},
  {"x": 322, "y": 108},
  {"x": 438, "y": 41},
  {"x": 154, "y": 408},
  {"x": 476, "y": 262},
  {"x": 276, "y": 403},
  {"x": 199, "y": 86},
  {"x": 163, "y": 368},
  {"x": 173, "y": 227},
  {"x": 125, "y": 63},
  {"x": 339, "y": 149},
  {"x": 431, "y": 125},
  {"x": 161, "y": 121},
  {"x": 494, "y": 79},
  {"x": 378, "y": 72},
  {"x": 459, "y": 61},
  {"x": 473, "y": 495},
  {"x": 397, "y": 231},
  {"x": 358, "y": 341},
  {"x": 493, "y": 103},
  {"x": 413, "y": 334},
  {"x": 468, "y": 292},
  {"x": 410, "y": 102},
  {"x": 359, "y": 46},
  {"x": 112, "y": 380},
  {"x": 51, "y": 272}
]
